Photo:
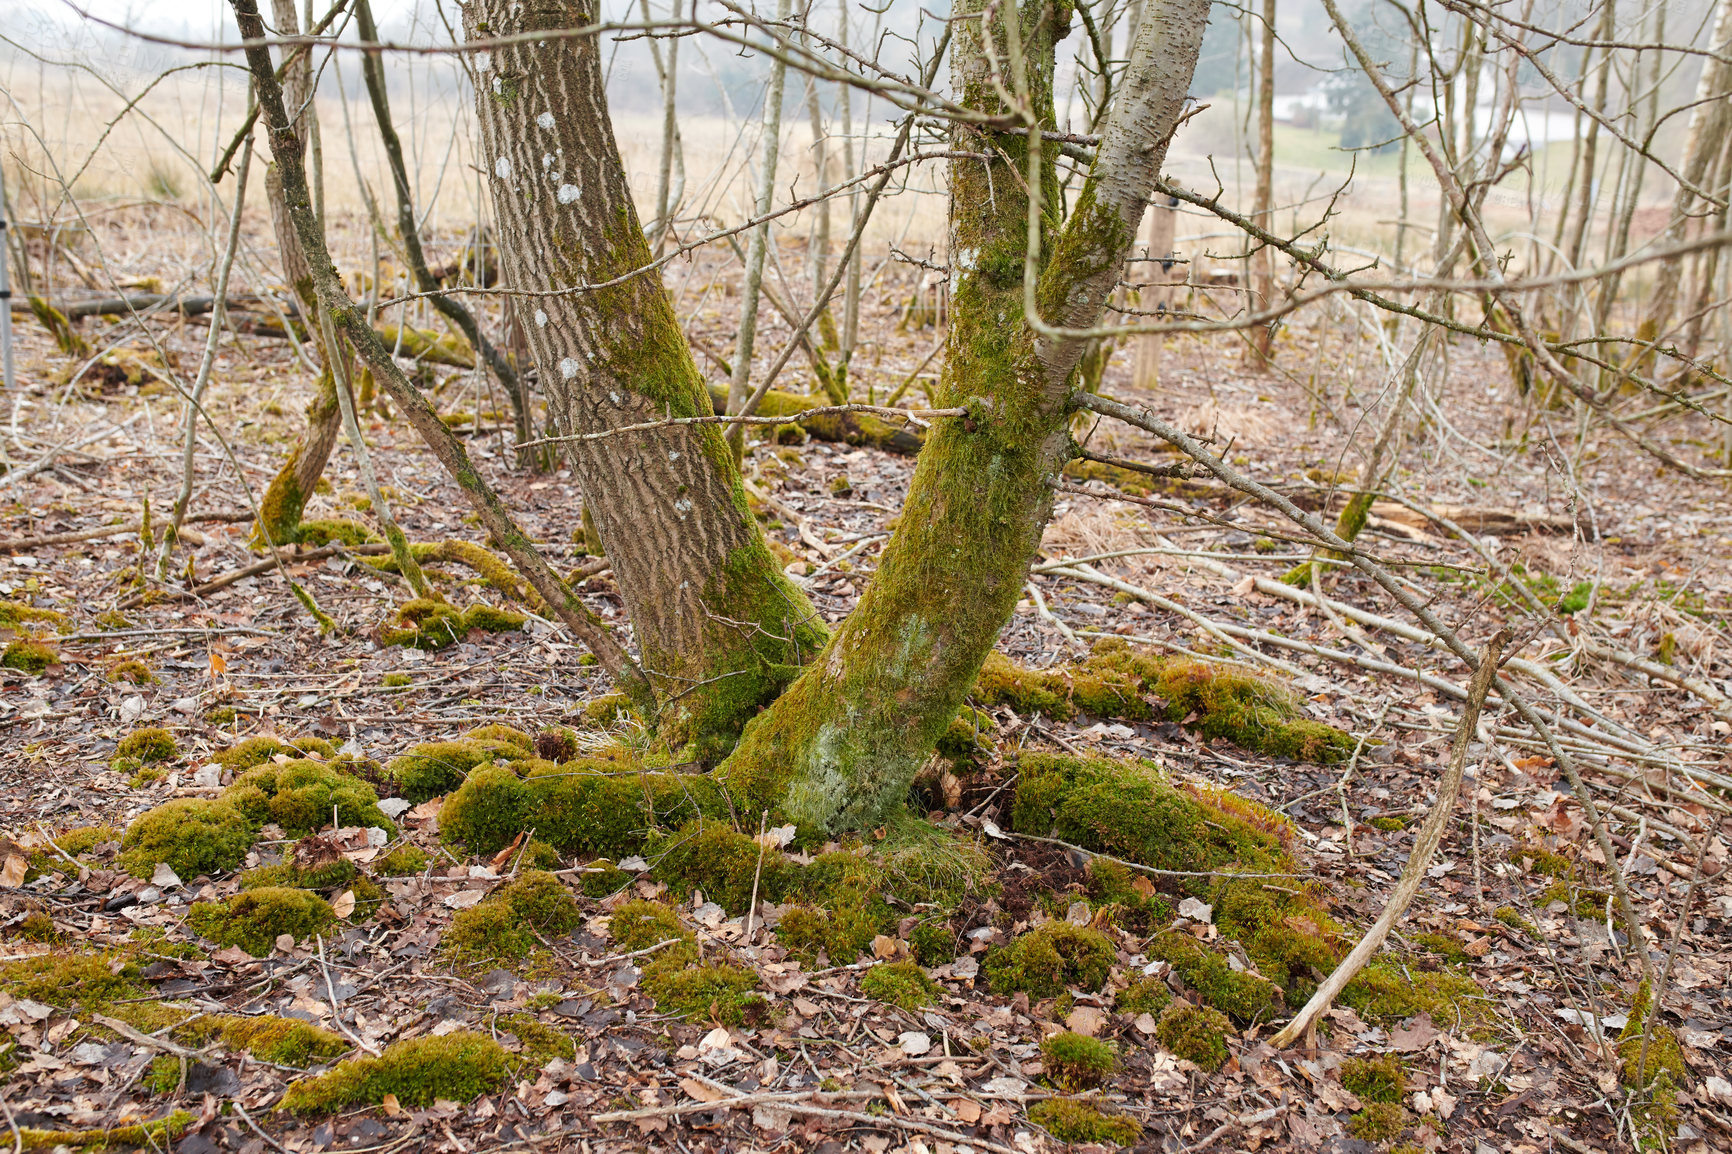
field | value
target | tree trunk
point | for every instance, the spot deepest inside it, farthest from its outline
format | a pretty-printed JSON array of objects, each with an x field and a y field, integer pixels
[
  {"x": 1708, "y": 122},
  {"x": 287, "y": 495},
  {"x": 840, "y": 747},
  {"x": 1263, "y": 261},
  {"x": 721, "y": 630}
]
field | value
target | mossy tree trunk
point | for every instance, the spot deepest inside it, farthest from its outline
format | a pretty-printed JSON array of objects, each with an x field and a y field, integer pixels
[
  {"x": 288, "y": 493},
  {"x": 839, "y": 748},
  {"x": 722, "y": 631}
]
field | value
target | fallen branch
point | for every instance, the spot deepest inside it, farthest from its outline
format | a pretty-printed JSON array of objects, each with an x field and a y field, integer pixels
[
  {"x": 1425, "y": 844},
  {"x": 25, "y": 544}
]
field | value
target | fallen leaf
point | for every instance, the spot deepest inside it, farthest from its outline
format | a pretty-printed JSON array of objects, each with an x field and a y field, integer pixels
[
  {"x": 884, "y": 946},
  {"x": 392, "y": 1107},
  {"x": 967, "y": 1110},
  {"x": 1086, "y": 1020},
  {"x": 344, "y": 904},
  {"x": 1412, "y": 1039},
  {"x": 12, "y": 873},
  {"x": 703, "y": 1092},
  {"x": 914, "y": 1043}
]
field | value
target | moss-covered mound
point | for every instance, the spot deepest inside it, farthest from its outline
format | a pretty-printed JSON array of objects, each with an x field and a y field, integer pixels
[
  {"x": 68, "y": 981},
  {"x": 487, "y": 811},
  {"x": 286, "y": 1041},
  {"x": 193, "y": 835},
  {"x": 147, "y": 745},
  {"x": 1386, "y": 990},
  {"x": 1212, "y": 700},
  {"x": 1378, "y": 1078},
  {"x": 672, "y": 975},
  {"x": 1050, "y": 959},
  {"x": 1143, "y": 996},
  {"x": 1133, "y": 811},
  {"x": 459, "y": 1066},
  {"x": 16, "y": 613},
  {"x": 1075, "y": 1062},
  {"x": 28, "y": 656},
  {"x": 1071, "y": 1121},
  {"x": 1244, "y": 997},
  {"x": 427, "y": 624},
  {"x": 1196, "y": 1033},
  {"x": 401, "y": 862},
  {"x": 261, "y": 748},
  {"x": 253, "y": 919},
  {"x": 302, "y": 796},
  {"x": 901, "y": 984},
  {"x": 435, "y": 768},
  {"x": 508, "y": 921}
]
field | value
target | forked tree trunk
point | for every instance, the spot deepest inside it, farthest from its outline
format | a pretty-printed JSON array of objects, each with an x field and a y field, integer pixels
[
  {"x": 839, "y": 748},
  {"x": 721, "y": 630},
  {"x": 287, "y": 495}
]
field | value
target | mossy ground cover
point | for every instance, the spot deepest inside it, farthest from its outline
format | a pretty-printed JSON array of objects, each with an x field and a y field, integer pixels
[{"x": 458, "y": 1066}]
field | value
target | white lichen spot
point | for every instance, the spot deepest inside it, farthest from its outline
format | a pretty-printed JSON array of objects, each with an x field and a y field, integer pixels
[
  {"x": 568, "y": 193},
  {"x": 545, "y": 120},
  {"x": 483, "y": 61},
  {"x": 613, "y": 396},
  {"x": 498, "y": 86},
  {"x": 967, "y": 258},
  {"x": 502, "y": 168},
  {"x": 673, "y": 454},
  {"x": 540, "y": 319},
  {"x": 682, "y": 507},
  {"x": 547, "y": 160},
  {"x": 568, "y": 368}
]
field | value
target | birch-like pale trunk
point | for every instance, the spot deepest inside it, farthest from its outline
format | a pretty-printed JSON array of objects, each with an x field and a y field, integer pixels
[
  {"x": 740, "y": 382},
  {"x": 669, "y": 69},
  {"x": 1263, "y": 261}
]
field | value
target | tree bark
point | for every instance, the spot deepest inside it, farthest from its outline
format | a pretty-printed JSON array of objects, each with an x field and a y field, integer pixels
[
  {"x": 721, "y": 630},
  {"x": 840, "y": 747},
  {"x": 287, "y": 495},
  {"x": 1263, "y": 261}
]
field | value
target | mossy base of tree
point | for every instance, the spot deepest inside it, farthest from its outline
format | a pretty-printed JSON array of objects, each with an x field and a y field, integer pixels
[{"x": 1213, "y": 701}]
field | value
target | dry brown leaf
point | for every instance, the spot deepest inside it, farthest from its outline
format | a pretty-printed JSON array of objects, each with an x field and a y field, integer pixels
[
  {"x": 12, "y": 873},
  {"x": 700, "y": 1091},
  {"x": 344, "y": 904},
  {"x": 967, "y": 1110}
]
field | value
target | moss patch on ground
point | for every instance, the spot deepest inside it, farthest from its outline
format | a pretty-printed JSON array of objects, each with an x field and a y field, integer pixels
[
  {"x": 253, "y": 919},
  {"x": 1050, "y": 959},
  {"x": 194, "y": 836},
  {"x": 428, "y": 624},
  {"x": 66, "y": 981},
  {"x": 672, "y": 975},
  {"x": 153, "y": 1135},
  {"x": 1244, "y": 997},
  {"x": 459, "y": 1066},
  {"x": 287, "y": 1041},
  {"x": 1071, "y": 1121},
  {"x": 901, "y": 984},
  {"x": 435, "y": 768},
  {"x": 303, "y": 795},
  {"x": 147, "y": 745},
  {"x": 1211, "y": 700},
  {"x": 1073, "y": 1061},
  {"x": 1195, "y": 1033},
  {"x": 506, "y": 924},
  {"x": 1379, "y": 1078},
  {"x": 28, "y": 656},
  {"x": 1387, "y": 990}
]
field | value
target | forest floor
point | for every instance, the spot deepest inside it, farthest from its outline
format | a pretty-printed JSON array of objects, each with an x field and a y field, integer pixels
[{"x": 1526, "y": 1062}]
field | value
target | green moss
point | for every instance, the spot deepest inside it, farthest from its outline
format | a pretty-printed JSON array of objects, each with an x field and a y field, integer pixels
[
  {"x": 153, "y": 1135},
  {"x": 257, "y": 750},
  {"x": 1075, "y": 1062},
  {"x": 131, "y": 670},
  {"x": 608, "y": 879},
  {"x": 323, "y": 531},
  {"x": 719, "y": 993},
  {"x": 487, "y": 811},
  {"x": 86, "y": 979},
  {"x": 932, "y": 943},
  {"x": 967, "y": 739},
  {"x": 193, "y": 835},
  {"x": 36, "y": 926},
  {"x": 1380, "y": 1078},
  {"x": 1138, "y": 906},
  {"x": 840, "y": 928},
  {"x": 508, "y": 734},
  {"x": 638, "y": 925},
  {"x": 27, "y": 656},
  {"x": 1512, "y": 917},
  {"x": 507, "y": 923},
  {"x": 899, "y": 983},
  {"x": 1195, "y": 1033},
  {"x": 396, "y": 680},
  {"x": 607, "y": 709},
  {"x": 428, "y": 624},
  {"x": 1048, "y": 960},
  {"x": 84, "y": 838},
  {"x": 1144, "y": 996},
  {"x": 1665, "y": 1056},
  {"x": 720, "y": 861},
  {"x": 16, "y": 613},
  {"x": 603, "y": 804},
  {"x": 1072, "y": 1121},
  {"x": 287, "y": 1041},
  {"x": 253, "y": 919},
  {"x": 1388, "y": 991},
  {"x": 1378, "y": 1122},
  {"x": 459, "y": 1066},
  {"x": 148, "y": 745},
  {"x": 1444, "y": 946},
  {"x": 221, "y": 715},
  {"x": 540, "y": 1043},
  {"x": 401, "y": 862},
  {"x": 435, "y": 768},
  {"x": 302, "y": 796},
  {"x": 1243, "y": 996},
  {"x": 1212, "y": 700},
  {"x": 1388, "y": 824}
]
